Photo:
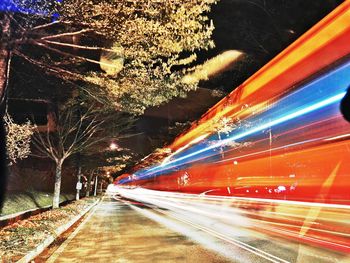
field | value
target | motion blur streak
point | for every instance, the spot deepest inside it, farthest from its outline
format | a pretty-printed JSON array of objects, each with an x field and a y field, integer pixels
[
  {"x": 271, "y": 160},
  {"x": 221, "y": 143},
  {"x": 239, "y": 222}
]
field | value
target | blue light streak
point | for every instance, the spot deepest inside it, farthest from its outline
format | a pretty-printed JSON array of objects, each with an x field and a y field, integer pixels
[
  {"x": 171, "y": 164},
  {"x": 309, "y": 103},
  {"x": 270, "y": 124}
]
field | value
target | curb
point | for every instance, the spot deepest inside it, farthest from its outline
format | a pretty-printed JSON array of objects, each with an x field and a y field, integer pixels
[
  {"x": 13, "y": 218},
  {"x": 40, "y": 248}
]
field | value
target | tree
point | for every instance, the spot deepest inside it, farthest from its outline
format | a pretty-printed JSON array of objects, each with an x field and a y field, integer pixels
[
  {"x": 18, "y": 138},
  {"x": 3, "y": 168},
  {"x": 73, "y": 134},
  {"x": 90, "y": 177},
  {"x": 66, "y": 39},
  {"x": 5, "y": 58},
  {"x": 107, "y": 159},
  {"x": 148, "y": 40}
]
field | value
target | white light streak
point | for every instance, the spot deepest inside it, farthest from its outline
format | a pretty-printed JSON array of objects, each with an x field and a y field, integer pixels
[
  {"x": 280, "y": 120},
  {"x": 222, "y": 217},
  {"x": 338, "y": 137}
]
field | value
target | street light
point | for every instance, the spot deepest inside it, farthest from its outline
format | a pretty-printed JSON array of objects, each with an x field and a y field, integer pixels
[{"x": 113, "y": 146}]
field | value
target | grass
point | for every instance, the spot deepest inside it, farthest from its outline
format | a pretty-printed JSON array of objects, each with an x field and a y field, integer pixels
[{"x": 18, "y": 202}]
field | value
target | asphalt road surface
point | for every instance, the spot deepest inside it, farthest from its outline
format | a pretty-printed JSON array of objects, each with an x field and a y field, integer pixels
[{"x": 122, "y": 231}]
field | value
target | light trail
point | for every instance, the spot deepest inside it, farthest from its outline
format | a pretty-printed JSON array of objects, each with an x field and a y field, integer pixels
[
  {"x": 223, "y": 218},
  {"x": 135, "y": 192},
  {"x": 278, "y": 111},
  {"x": 235, "y": 242},
  {"x": 269, "y": 124},
  {"x": 242, "y": 245},
  {"x": 289, "y": 176},
  {"x": 338, "y": 137}
]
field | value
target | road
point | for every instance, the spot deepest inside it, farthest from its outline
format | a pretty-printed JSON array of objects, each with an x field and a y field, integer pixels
[
  {"x": 114, "y": 232},
  {"x": 122, "y": 231}
]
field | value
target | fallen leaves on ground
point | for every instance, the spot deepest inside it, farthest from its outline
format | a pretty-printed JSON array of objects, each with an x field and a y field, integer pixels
[{"x": 20, "y": 238}]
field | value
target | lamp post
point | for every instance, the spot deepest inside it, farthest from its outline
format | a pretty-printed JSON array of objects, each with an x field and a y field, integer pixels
[
  {"x": 79, "y": 184},
  {"x": 95, "y": 190}
]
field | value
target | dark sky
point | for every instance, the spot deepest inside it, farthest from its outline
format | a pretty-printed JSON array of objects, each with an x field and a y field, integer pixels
[{"x": 261, "y": 29}]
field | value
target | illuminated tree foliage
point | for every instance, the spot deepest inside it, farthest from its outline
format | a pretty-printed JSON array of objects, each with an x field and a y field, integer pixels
[
  {"x": 137, "y": 43},
  {"x": 133, "y": 52}
]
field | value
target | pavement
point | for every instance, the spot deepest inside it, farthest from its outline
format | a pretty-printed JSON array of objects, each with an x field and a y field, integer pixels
[{"x": 39, "y": 249}]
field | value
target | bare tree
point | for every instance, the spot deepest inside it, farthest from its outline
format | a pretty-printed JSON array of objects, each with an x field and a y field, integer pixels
[
  {"x": 18, "y": 138},
  {"x": 74, "y": 133}
]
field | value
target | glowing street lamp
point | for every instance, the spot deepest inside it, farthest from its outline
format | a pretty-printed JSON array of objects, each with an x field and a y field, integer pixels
[{"x": 113, "y": 146}]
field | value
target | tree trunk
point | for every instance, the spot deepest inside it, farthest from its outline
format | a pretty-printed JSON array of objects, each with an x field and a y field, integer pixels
[
  {"x": 57, "y": 189},
  {"x": 5, "y": 58},
  {"x": 3, "y": 168},
  {"x": 88, "y": 186}
]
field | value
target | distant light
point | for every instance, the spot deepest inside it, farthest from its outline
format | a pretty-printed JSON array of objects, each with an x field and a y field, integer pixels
[
  {"x": 281, "y": 188},
  {"x": 235, "y": 162},
  {"x": 113, "y": 146}
]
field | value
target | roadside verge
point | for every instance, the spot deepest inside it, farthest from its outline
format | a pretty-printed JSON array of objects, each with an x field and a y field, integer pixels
[{"x": 26, "y": 239}]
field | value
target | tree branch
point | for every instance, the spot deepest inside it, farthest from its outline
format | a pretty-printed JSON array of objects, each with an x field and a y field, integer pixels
[
  {"x": 63, "y": 44},
  {"x": 55, "y": 70},
  {"x": 68, "y": 34},
  {"x": 74, "y": 56}
]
